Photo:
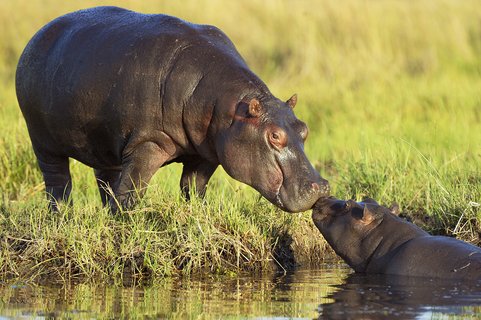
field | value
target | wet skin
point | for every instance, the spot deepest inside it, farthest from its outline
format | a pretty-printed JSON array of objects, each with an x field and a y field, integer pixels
[
  {"x": 127, "y": 93},
  {"x": 373, "y": 240}
]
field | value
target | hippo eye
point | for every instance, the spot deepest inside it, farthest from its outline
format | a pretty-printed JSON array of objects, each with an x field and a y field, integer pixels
[{"x": 278, "y": 139}]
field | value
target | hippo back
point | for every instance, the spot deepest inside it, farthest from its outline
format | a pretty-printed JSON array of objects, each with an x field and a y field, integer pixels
[{"x": 120, "y": 75}]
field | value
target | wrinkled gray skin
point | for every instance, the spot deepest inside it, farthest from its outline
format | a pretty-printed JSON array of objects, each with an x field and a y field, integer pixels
[
  {"x": 127, "y": 93},
  {"x": 373, "y": 240}
]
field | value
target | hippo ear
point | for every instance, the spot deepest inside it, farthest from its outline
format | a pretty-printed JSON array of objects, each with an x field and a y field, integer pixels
[
  {"x": 394, "y": 208},
  {"x": 370, "y": 213},
  {"x": 292, "y": 101},
  {"x": 255, "y": 108}
]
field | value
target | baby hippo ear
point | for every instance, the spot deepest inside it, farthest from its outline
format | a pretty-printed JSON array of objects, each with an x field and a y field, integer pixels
[
  {"x": 292, "y": 101},
  {"x": 394, "y": 208},
  {"x": 371, "y": 212}
]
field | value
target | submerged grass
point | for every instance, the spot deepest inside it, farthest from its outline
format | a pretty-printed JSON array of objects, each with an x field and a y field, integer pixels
[{"x": 391, "y": 92}]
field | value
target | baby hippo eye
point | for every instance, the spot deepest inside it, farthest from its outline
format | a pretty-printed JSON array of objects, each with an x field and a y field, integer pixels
[
  {"x": 275, "y": 136},
  {"x": 349, "y": 205}
]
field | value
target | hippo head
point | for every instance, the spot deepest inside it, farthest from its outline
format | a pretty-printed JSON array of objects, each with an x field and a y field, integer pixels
[
  {"x": 347, "y": 226},
  {"x": 264, "y": 148}
]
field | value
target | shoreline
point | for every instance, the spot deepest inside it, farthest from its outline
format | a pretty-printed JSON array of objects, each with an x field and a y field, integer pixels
[{"x": 141, "y": 245}]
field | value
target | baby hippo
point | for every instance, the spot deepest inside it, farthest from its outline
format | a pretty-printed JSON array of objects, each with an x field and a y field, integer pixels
[{"x": 373, "y": 240}]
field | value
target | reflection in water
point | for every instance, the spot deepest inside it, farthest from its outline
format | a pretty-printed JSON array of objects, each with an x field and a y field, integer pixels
[
  {"x": 331, "y": 292},
  {"x": 292, "y": 296},
  {"x": 399, "y": 297}
]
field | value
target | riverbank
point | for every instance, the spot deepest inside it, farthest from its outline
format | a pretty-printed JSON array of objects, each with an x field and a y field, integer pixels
[
  {"x": 84, "y": 243},
  {"x": 390, "y": 91}
]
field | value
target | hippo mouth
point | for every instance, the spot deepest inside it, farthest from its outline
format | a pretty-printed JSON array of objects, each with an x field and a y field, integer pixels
[
  {"x": 321, "y": 209},
  {"x": 282, "y": 192},
  {"x": 289, "y": 196},
  {"x": 277, "y": 198},
  {"x": 290, "y": 186},
  {"x": 270, "y": 187}
]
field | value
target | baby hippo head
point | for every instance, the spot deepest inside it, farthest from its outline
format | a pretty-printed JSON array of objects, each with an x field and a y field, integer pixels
[{"x": 347, "y": 227}]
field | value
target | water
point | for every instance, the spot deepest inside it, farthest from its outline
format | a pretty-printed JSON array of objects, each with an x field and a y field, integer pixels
[{"x": 331, "y": 292}]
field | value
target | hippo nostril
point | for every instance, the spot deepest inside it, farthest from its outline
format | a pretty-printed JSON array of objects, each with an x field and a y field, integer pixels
[
  {"x": 321, "y": 189},
  {"x": 325, "y": 187}
]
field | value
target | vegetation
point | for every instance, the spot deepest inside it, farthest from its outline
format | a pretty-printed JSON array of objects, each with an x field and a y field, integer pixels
[{"x": 390, "y": 90}]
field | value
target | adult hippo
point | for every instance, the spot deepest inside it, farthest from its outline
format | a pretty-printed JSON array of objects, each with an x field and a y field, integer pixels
[
  {"x": 127, "y": 93},
  {"x": 373, "y": 240}
]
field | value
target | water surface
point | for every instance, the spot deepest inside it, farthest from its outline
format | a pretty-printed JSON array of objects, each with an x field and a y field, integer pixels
[{"x": 329, "y": 292}]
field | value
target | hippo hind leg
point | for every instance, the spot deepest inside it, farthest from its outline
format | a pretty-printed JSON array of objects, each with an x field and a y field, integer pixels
[
  {"x": 196, "y": 172},
  {"x": 58, "y": 183},
  {"x": 107, "y": 182}
]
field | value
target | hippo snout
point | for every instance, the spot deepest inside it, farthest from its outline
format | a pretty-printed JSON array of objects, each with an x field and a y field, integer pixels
[
  {"x": 323, "y": 188},
  {"x": 328, "y": 207},
  {"x": 301, "y": 197},
  {"x": 320, "y": 203},
  {"x": 318, "y": 189}
]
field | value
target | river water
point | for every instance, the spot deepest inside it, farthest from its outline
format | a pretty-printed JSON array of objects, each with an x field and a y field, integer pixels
[{"x": 329, "y": 292}]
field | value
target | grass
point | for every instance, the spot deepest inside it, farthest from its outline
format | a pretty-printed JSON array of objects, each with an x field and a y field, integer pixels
[{"x": 390, "y": 90}]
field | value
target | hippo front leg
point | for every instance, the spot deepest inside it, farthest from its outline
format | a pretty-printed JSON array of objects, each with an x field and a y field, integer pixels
[
  {"x": 107, "y": 181},
  {"x": 137, "y": 170},
  {"x": 196, "y": 172}
]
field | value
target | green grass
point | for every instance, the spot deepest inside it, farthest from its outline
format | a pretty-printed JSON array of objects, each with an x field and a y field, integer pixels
[{"x": 390, "y": 90}]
